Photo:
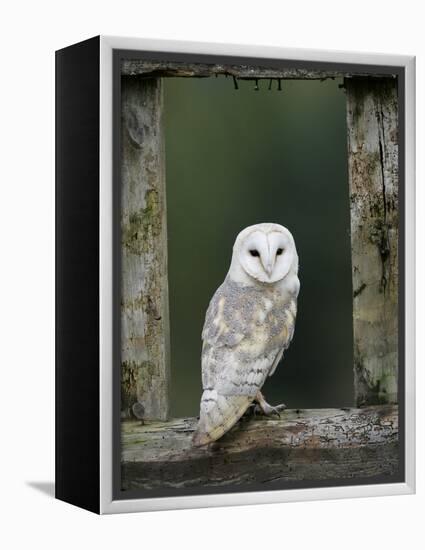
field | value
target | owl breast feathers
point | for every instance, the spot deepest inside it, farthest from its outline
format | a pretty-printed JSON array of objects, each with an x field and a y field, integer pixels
[{"x": 247, "y": 329}]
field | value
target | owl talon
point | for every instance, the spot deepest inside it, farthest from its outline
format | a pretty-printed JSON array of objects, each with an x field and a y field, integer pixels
[
  {"x": 265, "y": 408},
  {"x": 269, "y": 410},
  {"x": 256, "y": 409}
]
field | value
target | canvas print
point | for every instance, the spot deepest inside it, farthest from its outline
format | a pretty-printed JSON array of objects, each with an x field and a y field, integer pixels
[{"x": 257, "y": 342}]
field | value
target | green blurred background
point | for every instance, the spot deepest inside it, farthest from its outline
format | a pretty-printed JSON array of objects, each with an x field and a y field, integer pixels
[{"x": 239, "y": 157}]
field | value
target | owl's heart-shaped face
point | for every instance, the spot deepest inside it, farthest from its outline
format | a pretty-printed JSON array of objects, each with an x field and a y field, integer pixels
[{"x": 266, "y": 252}]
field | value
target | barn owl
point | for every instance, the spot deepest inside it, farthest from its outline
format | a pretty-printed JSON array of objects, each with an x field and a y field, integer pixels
[{"x": 249, "y": 324}]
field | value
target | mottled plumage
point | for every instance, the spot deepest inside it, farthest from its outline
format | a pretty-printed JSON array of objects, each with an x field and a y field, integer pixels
[{"x": 248, "y": 325}]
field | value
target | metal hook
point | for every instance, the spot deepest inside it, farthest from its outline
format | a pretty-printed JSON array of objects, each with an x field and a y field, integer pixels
[
  {"x": 235, "y": 82},
  {"x": 270, "y": 84},
  {"x": 256, "y": 85}
]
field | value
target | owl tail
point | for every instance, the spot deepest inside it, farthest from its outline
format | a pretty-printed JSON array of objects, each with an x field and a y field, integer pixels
[{"x": 218, "y": 414}]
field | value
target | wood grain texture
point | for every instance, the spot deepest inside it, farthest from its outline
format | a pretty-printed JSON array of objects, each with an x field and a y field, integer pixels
[
  {"x": 372, "y": 122},
  {"x": 151, "y": 69},
  {"x": 144, "y": 286},
  {"x": 301, "y": 445}
]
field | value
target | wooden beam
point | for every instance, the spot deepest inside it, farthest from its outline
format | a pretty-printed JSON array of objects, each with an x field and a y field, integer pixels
[
  {"x": 144, "y": 284},
  {"x": 301, "y": 445},
  {"x": 372, "y": 124},
  {"x": 150, "y": 69}
]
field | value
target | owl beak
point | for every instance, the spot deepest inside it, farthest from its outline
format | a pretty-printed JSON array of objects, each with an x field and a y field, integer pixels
[
  {"x": 268, "y": 264},
  {"x": 269, "y": 268}
]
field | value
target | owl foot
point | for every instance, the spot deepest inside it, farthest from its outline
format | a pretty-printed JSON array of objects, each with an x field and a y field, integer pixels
[
  {"x": 265, "y": 408},
  {"x": 269, "y": 410}
]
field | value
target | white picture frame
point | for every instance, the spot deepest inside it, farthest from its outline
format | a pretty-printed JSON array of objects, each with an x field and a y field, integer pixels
[{"x": 108, "y": 504}]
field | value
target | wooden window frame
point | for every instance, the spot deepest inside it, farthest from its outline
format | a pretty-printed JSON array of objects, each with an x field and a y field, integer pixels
[{"x": 366, "y": 441}]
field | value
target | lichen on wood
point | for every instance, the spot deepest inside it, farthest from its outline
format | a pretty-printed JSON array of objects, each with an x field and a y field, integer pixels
[
  {"x": 301, "y": 445},
  {"x": 372, "y": 126},
  {"x": 144, "y": 284},
  {"x": 155, "y": 68}
]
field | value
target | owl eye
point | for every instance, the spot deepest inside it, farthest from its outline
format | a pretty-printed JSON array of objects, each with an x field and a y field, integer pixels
[
  {"x": 279, "y": 251},
  {"x": 254, "y": 253}
]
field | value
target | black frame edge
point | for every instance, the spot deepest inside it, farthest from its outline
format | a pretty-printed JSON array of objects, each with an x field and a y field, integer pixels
[{"x": 77, "y": 459}]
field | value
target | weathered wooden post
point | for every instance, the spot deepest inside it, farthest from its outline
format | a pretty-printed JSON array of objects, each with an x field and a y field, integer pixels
[
  {"x": 144, "y": 284},
  {"x": 372, "y": 122}
]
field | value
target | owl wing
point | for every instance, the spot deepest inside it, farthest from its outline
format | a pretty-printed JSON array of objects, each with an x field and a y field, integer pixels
[
  {"x": 290, "y": 316},
  {"x": 240, "y": 347}
]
